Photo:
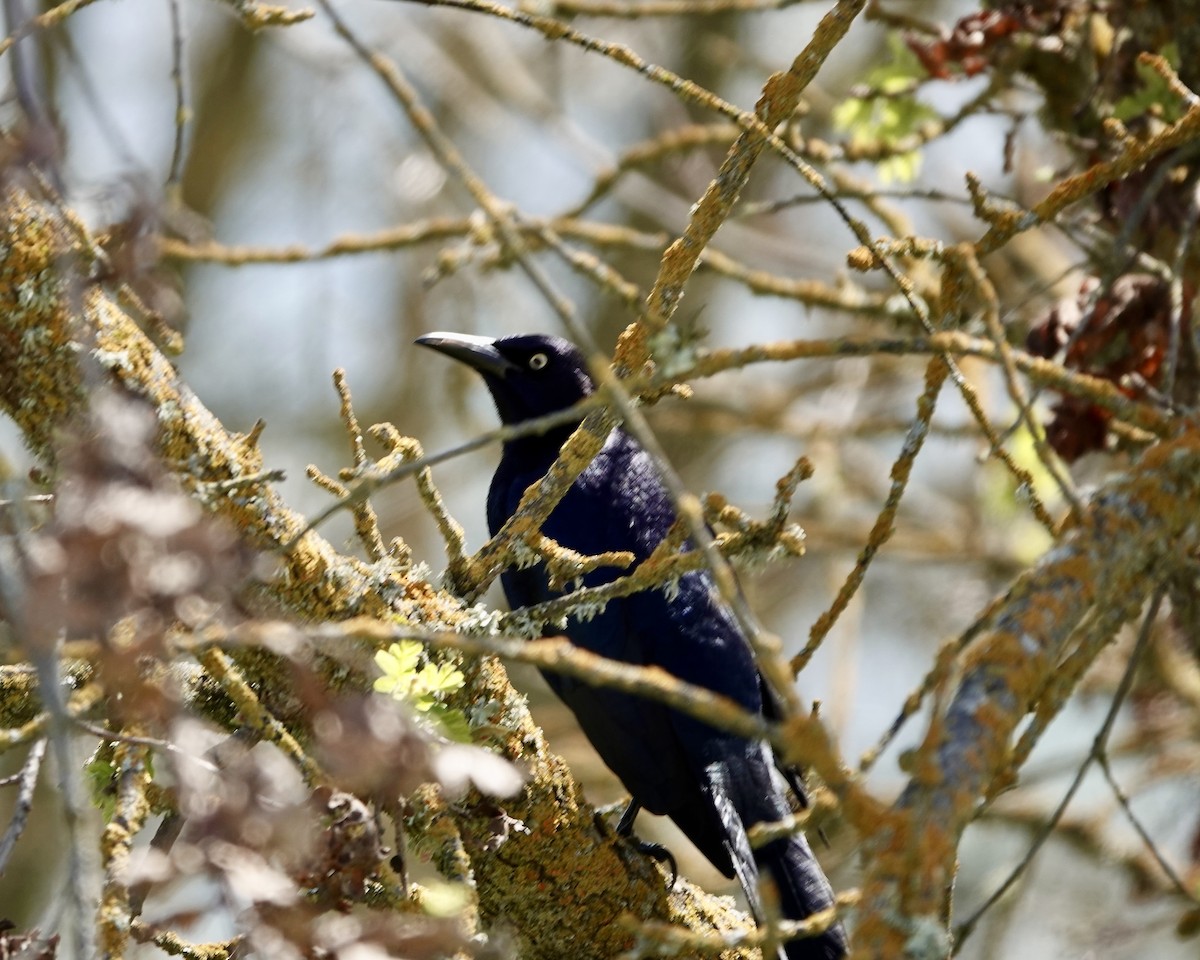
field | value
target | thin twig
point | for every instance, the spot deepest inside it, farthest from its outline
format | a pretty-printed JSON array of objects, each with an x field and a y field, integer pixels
[
  {"x": 183, "y": 107},
  {"x": 1134, "y": 821},
  {"x": 24, "y": 802},
  {"x": 367, "y": 484},
  {"x": 1099, "y": 743}
]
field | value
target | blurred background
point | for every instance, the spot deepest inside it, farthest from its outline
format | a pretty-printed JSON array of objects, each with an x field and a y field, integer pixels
[{"x": 293, "y": 142}]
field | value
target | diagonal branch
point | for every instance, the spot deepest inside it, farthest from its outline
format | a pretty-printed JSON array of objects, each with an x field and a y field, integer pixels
[
  {"x": 1135, "y": 530},
  {"x": 559, "y": 880}
]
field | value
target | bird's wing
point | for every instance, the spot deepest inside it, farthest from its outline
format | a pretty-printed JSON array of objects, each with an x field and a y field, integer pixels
[{"x": 634, "y": 736}]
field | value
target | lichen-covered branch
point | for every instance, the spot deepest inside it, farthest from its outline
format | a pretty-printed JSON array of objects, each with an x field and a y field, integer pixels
[
  {"x": 552, "y": 875},
  {"x": 1134, "y": 533}
]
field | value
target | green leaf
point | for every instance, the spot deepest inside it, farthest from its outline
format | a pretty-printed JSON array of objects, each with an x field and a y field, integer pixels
[
  {"x": 400, "y": 658},
  {"x": 1025, "y": 539},
  {"x": 423, "y": 689},
  {"x": 851, "y": 114},
  {"x": 902, "y": 168},
  {"x": 889, "y": 119},
  {"x": 439, "y": 678},
  {"x": 901, "y": 71},
  {"x": 101, "y": 776},
  {"x": 453, "y": 723},
  {"x": 399, "y": 665},
  {"x": 1154, "y": 95}
]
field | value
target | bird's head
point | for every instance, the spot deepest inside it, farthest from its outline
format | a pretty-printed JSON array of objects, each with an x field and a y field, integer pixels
[{"x": 529, "y": 375}]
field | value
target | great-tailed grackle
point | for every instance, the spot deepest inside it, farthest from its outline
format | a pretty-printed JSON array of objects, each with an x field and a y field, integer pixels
[{"x": 713, "y": 784}]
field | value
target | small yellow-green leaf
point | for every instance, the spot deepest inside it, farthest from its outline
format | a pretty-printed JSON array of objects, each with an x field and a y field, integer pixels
[
  {"x": 399, "y": 659},
  {"x": 389, "y": 685},
  {"x": 101, "y": 775},
  {"x": 891, "y": 116},
  {"x": 1154, "y": 95},
  {"x": 902, "y": 168},
  {"x": 453, "y": 723},
  {"x": 851, "y": 113},
  {"x": 440, "y": 678}
]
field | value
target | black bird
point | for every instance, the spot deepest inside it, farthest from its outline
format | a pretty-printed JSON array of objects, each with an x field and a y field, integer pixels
[{"x": 712, "y": 783}]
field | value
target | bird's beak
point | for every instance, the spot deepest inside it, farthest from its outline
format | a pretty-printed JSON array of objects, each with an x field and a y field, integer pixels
[{"x": 479, "y": 353}]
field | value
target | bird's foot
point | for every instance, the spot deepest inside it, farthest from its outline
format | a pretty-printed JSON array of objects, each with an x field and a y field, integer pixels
[
  {"x": 658, "y": 853},
  {"x": 624, "y": 829}
]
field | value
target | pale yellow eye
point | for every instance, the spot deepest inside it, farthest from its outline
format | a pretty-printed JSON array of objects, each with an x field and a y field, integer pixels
[{"x": 537, "y": 361}]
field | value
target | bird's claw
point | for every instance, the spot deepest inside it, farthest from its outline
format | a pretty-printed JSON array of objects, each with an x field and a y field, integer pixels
[
  {"x": 658, "y": 853},
  {"x": 624, "y": 829}
]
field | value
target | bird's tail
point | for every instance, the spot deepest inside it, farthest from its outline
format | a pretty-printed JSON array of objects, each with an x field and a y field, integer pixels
[
  {"x": 744, "y": 793},
  {"x": 803, "y": 891}
]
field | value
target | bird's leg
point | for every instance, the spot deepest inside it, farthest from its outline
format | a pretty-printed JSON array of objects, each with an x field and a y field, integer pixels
[
  {"x": 655, "y": 851},
  {"x": 625, "y": 824}
]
